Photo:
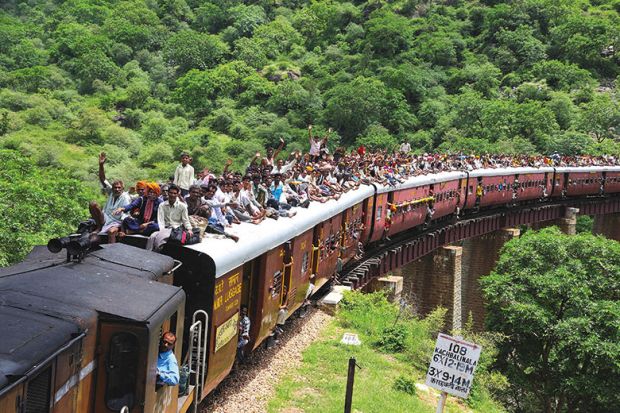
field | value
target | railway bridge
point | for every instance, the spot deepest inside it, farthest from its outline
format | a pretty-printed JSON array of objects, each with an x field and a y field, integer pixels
[{"x": 442, "y": 265}]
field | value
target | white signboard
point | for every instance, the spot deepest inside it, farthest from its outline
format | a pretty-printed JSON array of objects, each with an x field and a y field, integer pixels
[
  {"x": 452, "y": 366},
  {"x": 350, "y": 339}
]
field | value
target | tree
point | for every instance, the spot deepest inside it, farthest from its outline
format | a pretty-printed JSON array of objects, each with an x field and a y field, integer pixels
[
  {"x": 351, "y": 107},
  {"x": 601, "y": 118},
  {"x": 581, "y": 39},
  {"x": 188, "y": 49},
  {"x": 36, "y": 205},
  {"x": 388, "y": 33},
  {"x": 556, "y": 298}
]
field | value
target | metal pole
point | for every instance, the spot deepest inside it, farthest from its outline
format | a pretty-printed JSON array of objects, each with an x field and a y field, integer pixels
[
  {"x": 442, "y": 402},
  {"x": 348, "y": 398}
]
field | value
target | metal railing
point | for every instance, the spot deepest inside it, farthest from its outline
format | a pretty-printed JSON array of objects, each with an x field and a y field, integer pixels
[{"x": 198, "y": 342}]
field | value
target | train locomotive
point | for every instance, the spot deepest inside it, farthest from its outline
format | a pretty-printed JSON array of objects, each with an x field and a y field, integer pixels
[{"x": 81, "y": 332}]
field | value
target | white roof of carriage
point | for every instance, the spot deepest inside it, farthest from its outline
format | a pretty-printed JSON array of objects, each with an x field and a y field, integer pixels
[{"x": 254, "y": 240}]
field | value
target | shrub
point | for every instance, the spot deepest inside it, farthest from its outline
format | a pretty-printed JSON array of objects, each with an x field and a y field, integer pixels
[
  {"x": 393, "y": 338},
  {"x": 405, "y": 384}
]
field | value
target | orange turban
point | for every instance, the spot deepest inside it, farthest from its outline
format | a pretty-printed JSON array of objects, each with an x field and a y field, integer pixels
[
  {"x": 141, "y": 185},
  {"x": 153, "y": 186}
]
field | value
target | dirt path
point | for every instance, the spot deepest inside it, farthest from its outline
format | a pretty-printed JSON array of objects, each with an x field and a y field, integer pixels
[{"x": 249, "y": 388}]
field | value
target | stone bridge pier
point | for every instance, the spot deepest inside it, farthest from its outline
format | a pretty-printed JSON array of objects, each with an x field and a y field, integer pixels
[{"x": 566, "y": 223}]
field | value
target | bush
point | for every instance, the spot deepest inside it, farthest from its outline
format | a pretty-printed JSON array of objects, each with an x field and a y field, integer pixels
[
  {"x": 405, "y": 384},
  {"x": 393, "y": 339}
]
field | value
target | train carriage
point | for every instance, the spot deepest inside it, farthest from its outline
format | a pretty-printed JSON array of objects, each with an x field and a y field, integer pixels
[
  {"x": 612, "y": 181},
  {"x": 379, "y": 217},
  {"x": 408, "y": 203},
  {"x": 273, "y": 260},
  {"x": 582, "y": 181},
  {"x": 497, "y": 187},
  {"x": 533, "y": 184}
]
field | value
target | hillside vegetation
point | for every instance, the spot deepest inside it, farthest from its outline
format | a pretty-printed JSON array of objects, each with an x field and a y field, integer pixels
[{"x": 144, "y": 79}]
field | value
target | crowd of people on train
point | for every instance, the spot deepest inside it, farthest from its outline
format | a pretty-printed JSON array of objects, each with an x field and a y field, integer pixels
[{"x": 271, "y": 187}]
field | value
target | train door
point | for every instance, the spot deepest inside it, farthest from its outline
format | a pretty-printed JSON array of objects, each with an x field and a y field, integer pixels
[
  {"x": 287, "y": 269},
  {"x": 316, "y": 249},
  {"x": 249, "y": 291},
  {"x": 462, "y": 194},
  {"x": 121, "y": 368}
]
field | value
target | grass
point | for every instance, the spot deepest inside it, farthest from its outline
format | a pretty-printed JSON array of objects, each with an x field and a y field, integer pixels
[{"x": 319, "y": 384}]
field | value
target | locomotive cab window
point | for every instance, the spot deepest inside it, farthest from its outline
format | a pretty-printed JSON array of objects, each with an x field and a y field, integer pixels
[{"x": 121, "y": 369}]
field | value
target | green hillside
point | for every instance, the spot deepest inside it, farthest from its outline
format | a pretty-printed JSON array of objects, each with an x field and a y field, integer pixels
[{"x": 144, "y": 79}]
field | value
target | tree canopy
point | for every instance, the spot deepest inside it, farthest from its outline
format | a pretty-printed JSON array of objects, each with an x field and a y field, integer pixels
[
  {"x": 146, "y": 79},
  {"x": 556, "y": 298},
  {"x": 36, "y": 207}
]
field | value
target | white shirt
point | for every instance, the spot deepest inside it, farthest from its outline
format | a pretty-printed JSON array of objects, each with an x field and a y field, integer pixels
[
  {"x": 173, "y": 216},
  {"x": 184, "y": 176},
  {"x": 315, "y": 146},
  {"x": 405, "y": 147},
  {"x": 285, "y": 168},
  {"x": 112, "y": 204},
  {"x": 245, "y": 200}
]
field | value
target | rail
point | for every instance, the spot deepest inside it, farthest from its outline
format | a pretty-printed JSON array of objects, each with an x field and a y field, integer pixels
[{"x": 198, "y": 341}]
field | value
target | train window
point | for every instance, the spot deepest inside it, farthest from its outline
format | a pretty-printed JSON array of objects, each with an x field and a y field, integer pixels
[
  {"x": 277, "y": 283},
  {"x": 471, "y": 189},
  {"x": 38, "y": 393},
  {"x": 305, "y": 262},
  {"x": 122, "y": 371},
  {"x": 379, "y": 211}
]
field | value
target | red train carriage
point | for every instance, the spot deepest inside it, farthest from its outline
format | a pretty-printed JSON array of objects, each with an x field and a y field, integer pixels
[
  {"x": 497, "y": 187},
  {"x": 533, "y": 184},
  {"x": 612, "y": 181},
  {"x": 352, "y": 224},
  {"x": 448, "y": 190},
  {"x": 409, "y": 203},
  {"x": 377, "y": 216},
  {"x": 578, "y": 182}
]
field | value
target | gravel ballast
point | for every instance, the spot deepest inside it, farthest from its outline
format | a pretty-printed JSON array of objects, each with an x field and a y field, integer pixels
[{"x": 248, "y": 388}]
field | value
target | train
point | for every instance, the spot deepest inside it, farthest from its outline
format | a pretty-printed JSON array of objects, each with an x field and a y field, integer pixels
[{"x": 81, "y": 329}]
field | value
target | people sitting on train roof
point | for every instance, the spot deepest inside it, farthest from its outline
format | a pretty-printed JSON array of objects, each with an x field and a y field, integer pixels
[
  {"x": 167, "y": 365},
  {"x": 273, "y": 188},
  {"x": 108, "y": 219},
  {"x": 171, "y": 214},
  {"x": 142, "y": 212}
]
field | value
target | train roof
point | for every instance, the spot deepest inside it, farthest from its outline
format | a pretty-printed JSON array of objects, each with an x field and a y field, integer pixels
[
  {"x": 28, "y": 338},
  {"x": 255, "y": 240},
  {"x": 509, "y": 171},
  {"x": 421, "y": 180},
  {"x": 108, "y": 280},
  {"x": 45, "y": 302},
  {"x": 563, "y": 169}
]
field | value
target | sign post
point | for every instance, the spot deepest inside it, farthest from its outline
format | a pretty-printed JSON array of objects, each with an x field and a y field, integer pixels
[{"x": 452, "y": 367}]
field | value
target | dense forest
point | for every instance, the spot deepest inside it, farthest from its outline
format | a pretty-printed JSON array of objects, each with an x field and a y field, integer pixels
[{"x": 145, "y": 79}]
